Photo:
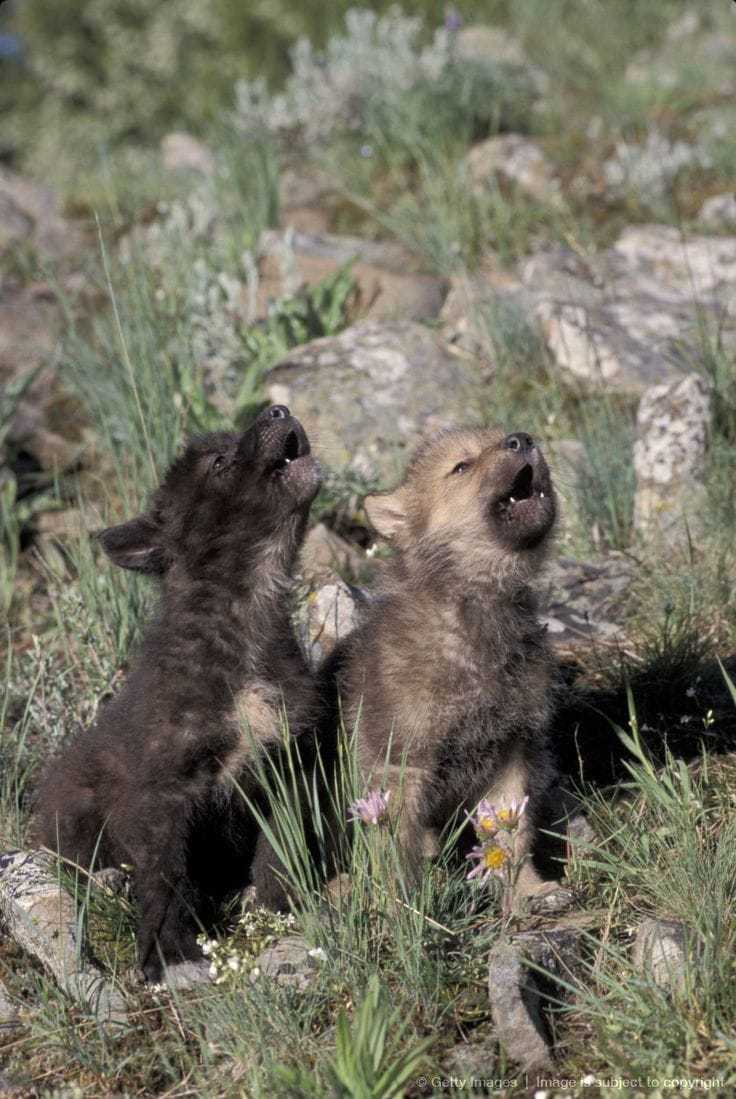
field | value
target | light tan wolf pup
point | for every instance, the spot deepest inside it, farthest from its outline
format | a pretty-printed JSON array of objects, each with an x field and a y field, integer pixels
[{"x": 449, "y": 677}]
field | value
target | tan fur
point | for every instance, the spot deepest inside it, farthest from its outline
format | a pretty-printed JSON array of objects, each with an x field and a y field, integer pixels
[
  {"x": 451, "y": 672},
  {"x": 258, "y": 712}
]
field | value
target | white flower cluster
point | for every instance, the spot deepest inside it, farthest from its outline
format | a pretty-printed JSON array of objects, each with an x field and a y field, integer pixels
[
  {"x": 255, "y": 930},
  {"x": 329, "y": 91},
  {"x": 648, "y": 169}
]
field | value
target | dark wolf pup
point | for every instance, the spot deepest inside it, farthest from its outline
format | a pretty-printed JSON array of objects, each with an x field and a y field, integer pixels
[
  {"x": 152, "y": 783},
  {"x": 449, "y": 677}
]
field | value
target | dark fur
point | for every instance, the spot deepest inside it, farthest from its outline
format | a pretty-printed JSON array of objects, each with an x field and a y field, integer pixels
[
  {"x": 152, "y": 782},
  {"x": 450, "y": 675}
]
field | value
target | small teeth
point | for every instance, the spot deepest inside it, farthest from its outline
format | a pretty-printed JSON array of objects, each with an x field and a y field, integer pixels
[{"x": 541, "y": 495}]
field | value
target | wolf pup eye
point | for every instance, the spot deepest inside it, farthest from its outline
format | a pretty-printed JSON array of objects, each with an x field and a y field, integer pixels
[
  {"x": 461, "y": 467},
  {"x": 218, "y": 464}
]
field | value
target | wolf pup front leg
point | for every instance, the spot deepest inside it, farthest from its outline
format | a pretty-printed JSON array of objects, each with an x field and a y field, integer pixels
[{"x": 450, "y": 674}]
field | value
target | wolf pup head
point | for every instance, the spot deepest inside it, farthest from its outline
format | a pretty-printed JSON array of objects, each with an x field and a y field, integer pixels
[
  {"x": 228, "y": 499},
  {"x": 481, "y": 496}
]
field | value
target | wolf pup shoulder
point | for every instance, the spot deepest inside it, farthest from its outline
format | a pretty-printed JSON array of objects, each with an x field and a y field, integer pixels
[
  {"x": 448, "y": 680},
  {"x": 157, "y": 782}
]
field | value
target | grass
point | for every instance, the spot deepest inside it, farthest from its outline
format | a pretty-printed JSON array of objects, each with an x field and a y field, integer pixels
[{"x": 171, "y": 346}]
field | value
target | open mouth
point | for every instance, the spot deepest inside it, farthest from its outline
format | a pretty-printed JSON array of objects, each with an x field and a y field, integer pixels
[
  {"x": 522, "y": 491},
  {"x": 295, "y": 446}
]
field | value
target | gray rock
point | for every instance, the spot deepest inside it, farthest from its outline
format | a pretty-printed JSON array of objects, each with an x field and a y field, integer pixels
[
  {"x": 475, "y": 1057},
  {"x": 718, "y": 211},
  {"x": 341, "y": 249},
  {"x": 516, "y": 1008},
  {"x": 181, "y": 976},
  {"x": 471, "y": 308},
  {"x": 518, "y": 991},
  {"x": 30, "y": 331},
  {"x": 580, "y": 833},
  {"x": 566, "y": 458},
  {"x": 513, "y": 159},
  {"x": 290, "y": 962},
  {"x": 685, "y": 268},
  {"x": 183, "y": 152},
  {"x": 42, "y": 919},
  {"x": 30, "y": 212},
  {"x": 592, "y": 348},
  {"x": 368, "y": 394},
  {"x": 673, "y": 428},
  {"x": 584, "y": 601},
  {"x": 325, "y": 554},
  {"x": 633, "y": 316},
  {"x": 332, "y": 612},
  {"x": 660, "y": 948},
  {"x": 388, "y": 285}
]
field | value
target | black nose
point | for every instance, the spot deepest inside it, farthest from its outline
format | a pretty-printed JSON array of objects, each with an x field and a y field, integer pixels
[
  {"x": 278, "y": 412},
  {"x": 519, "y": 441}
]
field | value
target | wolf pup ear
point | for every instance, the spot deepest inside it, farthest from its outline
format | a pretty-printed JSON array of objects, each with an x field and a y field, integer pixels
[
  {"x": 387, "y": 514},
  {"x": 135, "y": 545}
]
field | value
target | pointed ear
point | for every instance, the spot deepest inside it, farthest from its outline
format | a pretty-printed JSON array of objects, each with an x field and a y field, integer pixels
[
  {"x": 135, "y": 545},
  {"x": 387, "y": 513}
]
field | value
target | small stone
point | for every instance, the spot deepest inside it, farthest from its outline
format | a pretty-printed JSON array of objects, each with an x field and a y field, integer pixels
[
  {"x": 718, "y": 211},
  {"x": 551, "y": 901},
  {"x": 475, "y": 1057},
  {"x": 181, "y": 976},
  {"x": 673, "y": 428},
  {"x": 183, "y": 152},
  {"x": 325, "y": 553},
  {"x": 332, "y": 612},
  {"x": 580, "y": 832},
  {"x": 515, "y": 160},
  {"x": 290, "y": 962},
  {"x": 660, "y": 949}
]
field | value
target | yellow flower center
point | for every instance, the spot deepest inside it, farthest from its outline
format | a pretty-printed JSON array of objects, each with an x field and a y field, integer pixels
[
  {"x": 487, "y": 824},
  {"x": 494, "y": 858}
]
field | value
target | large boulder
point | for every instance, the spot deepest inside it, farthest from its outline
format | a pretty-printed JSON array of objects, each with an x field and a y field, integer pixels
[
  {"x": 367, "y": 395},
  {"x": 634, "y": 316},
  {"x": 388, "y": 284}
]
